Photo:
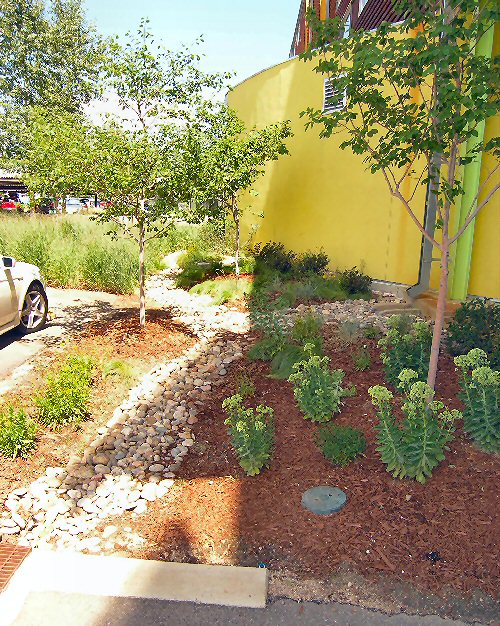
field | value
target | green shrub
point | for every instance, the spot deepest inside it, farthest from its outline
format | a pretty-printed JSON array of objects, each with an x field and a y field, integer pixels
[
  {"x": 252, "y": 433},
  {"x": 275, "y": 335},
  {"x": 197, "y": 267},
  {"x": 273, "y": 256},
  {"x": 405, "y": 349},
  {"x": 317, "y": 389},
  {"x": 372, "y": 332},
  {"x": 246, "y": 387},
  {"x": 481, "y": 397},
  {"x": 476, "y": 324},
  {"x": 222, "y": 291},
  {"x": 67, "y": 393},
  {"x": 17, "y": 433},
  {"x": 362, "y": 359},
  {"x": 284, "y": 360},
  {"x": 415, "y": 447},
  {"x": 354, "y": 282},
  {"x": 340, "y": 444},
  {"x": 305, "y": 331},
  {"x": 312, "y": 263}
]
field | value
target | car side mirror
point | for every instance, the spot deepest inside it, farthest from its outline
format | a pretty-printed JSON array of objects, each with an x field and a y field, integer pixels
[{"x": 8, "y": 262}]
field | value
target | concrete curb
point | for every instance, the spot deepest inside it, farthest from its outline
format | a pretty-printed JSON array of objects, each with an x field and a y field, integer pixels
[{"x": 67, "y": 572}]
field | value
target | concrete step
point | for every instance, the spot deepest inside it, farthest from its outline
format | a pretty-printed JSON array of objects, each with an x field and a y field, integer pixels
[{"x": 45, "y": 571}]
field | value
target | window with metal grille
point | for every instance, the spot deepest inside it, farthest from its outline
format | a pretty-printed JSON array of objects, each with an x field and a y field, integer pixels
[{"x": 334, "y": 99}]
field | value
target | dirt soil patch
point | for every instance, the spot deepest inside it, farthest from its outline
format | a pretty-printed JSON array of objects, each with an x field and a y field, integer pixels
[
  {"x": 436, "y": 537},
  {"x": 117, "y": 337}
]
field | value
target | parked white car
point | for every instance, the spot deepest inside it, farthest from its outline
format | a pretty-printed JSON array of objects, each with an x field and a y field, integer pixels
[{"x": 23, "y": 301}]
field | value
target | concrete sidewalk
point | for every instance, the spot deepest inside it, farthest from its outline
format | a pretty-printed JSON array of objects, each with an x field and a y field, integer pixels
[
  {"x": 46, "y": 609},
  {"x": 69, "y": 589}
]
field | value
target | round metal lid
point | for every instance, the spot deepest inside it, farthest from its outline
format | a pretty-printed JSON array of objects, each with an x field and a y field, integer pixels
[{"x": 324, "y": 500}]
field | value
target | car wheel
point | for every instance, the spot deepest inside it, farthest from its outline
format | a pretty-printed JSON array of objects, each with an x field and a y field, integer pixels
[{"x": 34, "y": 311}]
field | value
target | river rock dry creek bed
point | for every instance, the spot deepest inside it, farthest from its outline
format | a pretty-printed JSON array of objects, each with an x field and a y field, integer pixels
[{"x": 156, "y": 477}]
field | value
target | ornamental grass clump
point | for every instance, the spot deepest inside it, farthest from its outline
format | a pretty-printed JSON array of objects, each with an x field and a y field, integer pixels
[
  {"x": 406, "y": 346},
  {"x": 252, "y": 433},
  {"x": 67, "y": 393},
  {"x": 17, "y": 432},
  {"x": 340, "y": 444},
  {"x": 481, "y": 397},
  {"x": 317, "y": 389},
  {"x": 414, "y": 447}
]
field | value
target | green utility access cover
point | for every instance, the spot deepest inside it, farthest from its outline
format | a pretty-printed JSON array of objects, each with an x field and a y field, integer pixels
[{"x": 324, "y": 500}]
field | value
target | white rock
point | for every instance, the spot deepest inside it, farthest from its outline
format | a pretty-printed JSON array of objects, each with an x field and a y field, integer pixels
[
  {"x": 141, "y": 506},
  {"x": 149, "y": 492}
]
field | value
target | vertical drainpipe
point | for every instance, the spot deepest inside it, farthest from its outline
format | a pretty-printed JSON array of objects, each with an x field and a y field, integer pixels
[{"x": 459, "y": 284}]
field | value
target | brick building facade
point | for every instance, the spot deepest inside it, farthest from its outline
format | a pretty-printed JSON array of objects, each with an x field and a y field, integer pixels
[{"x": 365, "y": 14}]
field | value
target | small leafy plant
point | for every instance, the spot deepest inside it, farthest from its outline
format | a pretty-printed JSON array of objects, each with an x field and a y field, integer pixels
[
  {"x": 476, "y": 324},
  {"x": 415, "y": 447},
  {"x": 252, "y": 433},
  {"x": 362, "y": 359},
  {"x": 481, "y": 397},
  {"x": 354, "y": 282},
  {"x": 372, "y": 332},
  {"x": 340, "y": 444},
  {"x": 67, "y": 393},
  {"x": 405, "y": 348},
  {"x": 305, "y": 331},
  {"x": 246, "y": 387},
  {"x": 348, "y": 331},
  {"x": 317, "y": 389},
  {"x": 17, "y": 432}
]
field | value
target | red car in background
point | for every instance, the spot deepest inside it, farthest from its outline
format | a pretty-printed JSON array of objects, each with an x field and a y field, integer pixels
[{"x": 9, "y": 204}]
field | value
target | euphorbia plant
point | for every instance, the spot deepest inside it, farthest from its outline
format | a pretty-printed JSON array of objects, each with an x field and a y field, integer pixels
[
  {"x": 413, "y": 448},
  {"x": 252, "y": 433},
  {"x": 481, "y": 397},
  {"x": 317, "y": 388}
]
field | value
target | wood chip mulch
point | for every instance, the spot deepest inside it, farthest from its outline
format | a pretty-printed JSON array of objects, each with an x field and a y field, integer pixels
[
  {"x": 117, "y": 336},
  {"x": 437, "y": 536}
]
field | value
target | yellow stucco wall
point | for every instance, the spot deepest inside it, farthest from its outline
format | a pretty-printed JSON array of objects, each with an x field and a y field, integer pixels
[{"x": 322, "y": 197}]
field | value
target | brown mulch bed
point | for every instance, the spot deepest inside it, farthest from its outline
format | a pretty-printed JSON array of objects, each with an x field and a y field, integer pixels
[
  {"x": 117, "y": 336},
  {"x": 216, "y": 514}
]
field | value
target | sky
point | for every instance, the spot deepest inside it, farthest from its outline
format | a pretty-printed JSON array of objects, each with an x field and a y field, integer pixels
[{"x": 241, "y": 36}]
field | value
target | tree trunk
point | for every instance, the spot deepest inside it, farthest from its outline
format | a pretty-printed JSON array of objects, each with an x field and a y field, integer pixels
[
  {"x": 237, "y": 263},
  {"x": 236, "y": 218},
  {"x": 142, "y": 290},
  {"x": 440, "y": 312},
  {"x": 63, "y": 205}
]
